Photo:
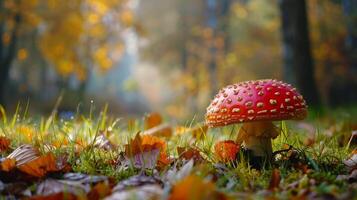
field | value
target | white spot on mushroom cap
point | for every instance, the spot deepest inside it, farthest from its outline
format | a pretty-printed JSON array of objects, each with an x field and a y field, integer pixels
[{"x": 272, "y": 101}]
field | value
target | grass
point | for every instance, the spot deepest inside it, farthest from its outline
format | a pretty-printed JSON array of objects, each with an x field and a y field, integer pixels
[{"x": 323, "y": 154}]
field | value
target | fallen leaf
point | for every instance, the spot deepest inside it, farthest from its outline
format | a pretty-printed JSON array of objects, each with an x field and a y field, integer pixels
[
  {"x": 152, "y": 120},
  {"x": 4, "y": 144},
  {"x": 145, "y": 143},
  {"x": 189, "y": 153},
  {"x": 24, "y": 154},
  {"x": 153, "y": 142},
  {"x": 163, "y": 130},
  {"x": 147, "y": 151},
  {"x": 274, "y": 180},
  {"x": 145, "y": 192},
  {"x": 52, "y": 187},
  {"x": 40, "y": 166},
  {"x": 137, "y": 180},
  {"x": 84, "y": 178},
  {"x": 99, "y": 191},
  {"x": 194, "y": 187},
  {"x": 146, "y": 159},
  {"x": 7, "y": 164},
  {"x": 226, "y": 150}
]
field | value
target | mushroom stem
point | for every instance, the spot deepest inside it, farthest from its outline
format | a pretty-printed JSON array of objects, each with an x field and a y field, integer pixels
[
  {"x": 256, "y": 136},
  {"x": 261, "y": 146}
]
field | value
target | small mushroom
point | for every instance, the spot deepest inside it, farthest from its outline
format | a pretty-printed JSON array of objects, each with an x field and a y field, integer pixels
[{"x": 256, "y": 104}]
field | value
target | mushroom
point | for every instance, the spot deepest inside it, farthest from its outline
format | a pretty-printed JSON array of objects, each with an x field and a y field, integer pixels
[{"x": 256, "y": 104}]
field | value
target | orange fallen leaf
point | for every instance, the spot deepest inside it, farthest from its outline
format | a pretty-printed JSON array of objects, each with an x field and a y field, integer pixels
[
  {"x": 194, "y": 187},
  {"x": 147, "y": 143},
  {"x": 4, "y": 143},
  {"x": 189, "y": 153},
  {"x": 8, "y": 164},
  {"x": 226, "y": 150},
  {"x": 99, "y": 191},
  {"x": 152, "y": 120},
  {"x": 40, "y": 166},
  {"x": 274, "y": 180},
  {"x": 163, "y": 130},
  {"x": 153, "y": 142}
]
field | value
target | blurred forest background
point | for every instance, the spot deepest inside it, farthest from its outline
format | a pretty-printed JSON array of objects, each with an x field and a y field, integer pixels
[{"x": 172, "y": 56}]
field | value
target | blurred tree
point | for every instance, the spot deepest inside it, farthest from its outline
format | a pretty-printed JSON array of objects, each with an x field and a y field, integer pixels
[
  {"x": 298, "y": 63},
  {"x": 9, "y": 29},
  {"x": 73, "y": 36},
  {"x": 333, "y": 51},
  {"x": 217, "y": 20},
  {"x": 349, "y": 87},
  {"x": 350, "y": 10}
]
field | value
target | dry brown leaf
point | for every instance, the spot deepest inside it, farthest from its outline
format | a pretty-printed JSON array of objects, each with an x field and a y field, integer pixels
[
  {"x": 4, "y": 144},
  {"x": 226, "y": 150},
  {"x": 189, "y": 153},
  {"x": 99, "y": 191},
  {"x": 152, "y": 120},
  {"x": 148, "y": 145},
  {"x": 136, "y": 181},
  {"x": 8, "y": 164},
  {"x": 40, "y": 166},
  {"x": 274, "y": 180},
  {"x": 53, "y": 186},
  {"x": 194, "y": 187}
]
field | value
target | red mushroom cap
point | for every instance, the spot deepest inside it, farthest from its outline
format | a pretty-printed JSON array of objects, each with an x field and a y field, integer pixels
[{"x": 259, "y": 100}]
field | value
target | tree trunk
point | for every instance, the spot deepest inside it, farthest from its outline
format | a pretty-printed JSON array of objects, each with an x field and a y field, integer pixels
[
  {"x": 346, "y": 86},
  {"x": 7, "y": 55},
  {"x": 298, "y": 63},
  {"x": 217, "y": 18},
  {"x": 212, "y": 23}
]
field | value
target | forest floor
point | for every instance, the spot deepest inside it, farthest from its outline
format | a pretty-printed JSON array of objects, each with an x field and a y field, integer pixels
[{"x": 86, "y": 157}]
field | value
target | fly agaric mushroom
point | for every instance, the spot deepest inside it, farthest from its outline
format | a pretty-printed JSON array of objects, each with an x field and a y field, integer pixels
[{"x": 256, "y": 104}]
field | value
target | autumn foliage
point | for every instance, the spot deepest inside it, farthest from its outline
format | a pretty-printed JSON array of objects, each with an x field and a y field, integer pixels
[
  {"x": 147, "y": 143},
  {"x": 194, "y": 187}
]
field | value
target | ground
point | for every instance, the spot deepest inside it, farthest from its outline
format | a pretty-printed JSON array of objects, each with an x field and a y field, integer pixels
[{"x": 89, "y": 156}]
